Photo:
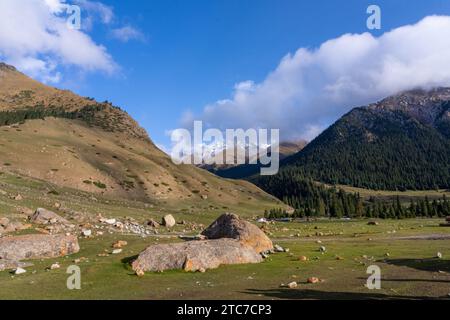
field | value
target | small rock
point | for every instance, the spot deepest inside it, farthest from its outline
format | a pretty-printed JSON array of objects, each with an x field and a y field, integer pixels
[
  {"x": 19, "y": 271},
  {"x": 372, "y": 223},
  {"x": 278, "y": 248},
  {"x": 18, "y": 197},
  {"x": 439, "y": 255},
  {"x": 313, "y": 280},
  {"x": 292, "y": 285},
  {"x": 303, "y": 258},
  {"x": 117, "y": 251},
  {"x": 86, "y": 233},
  {"x": 55, "y": 266},
  {"x": 119, "y": 244},
  {"x": 322, "y": 249},
  {"x": 153, "y": 224},
  {"x": 168, "y": 221},
  {"x": 110, "y": 221}
]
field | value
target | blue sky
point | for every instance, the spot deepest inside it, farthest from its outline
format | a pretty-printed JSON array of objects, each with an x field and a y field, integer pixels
[{"x": 192, "y": 53}]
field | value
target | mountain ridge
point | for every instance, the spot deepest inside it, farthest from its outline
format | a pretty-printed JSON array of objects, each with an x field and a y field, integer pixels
[
  {"x": 71, "y": 141},
  {"x": 401, "y": 142}
]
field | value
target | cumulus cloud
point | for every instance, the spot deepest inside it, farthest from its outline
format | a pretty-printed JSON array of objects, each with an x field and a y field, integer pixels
[
  {"x": 127, "y": 33},
  {"x": 40, "y": 41},
  {"x": 314, "y": 87}
]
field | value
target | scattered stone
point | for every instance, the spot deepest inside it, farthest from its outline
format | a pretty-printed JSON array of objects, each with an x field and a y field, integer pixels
[
  {"x": 303, "y": 258},
  {"x": 119, "y": 244},
  {"x": 313, "y": 280},
  {"x": 86, "y": 232},
  {"x": 194, "y": 255},
  {"x": 372, "y": 223},
  {"x": 439, "y": 255},
  {"x": 322, "y": 249},
  {"x": 19, "y": 271},
  {"x": 168, "y": 221},
  {"x": 37, "y": 246},
  {"x": 55, "y": 266},
  {"x": 278, "y": 248},
  {"x": 153, "y": 224},
  {"x": 292, "y": 285},
  {"x": 110, "y": 221},
  {"x": 117, "y": 251},
  {"x": 18, "y": 197}
]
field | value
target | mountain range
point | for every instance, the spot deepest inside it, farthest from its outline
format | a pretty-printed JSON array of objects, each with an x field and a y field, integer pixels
[{"x": 399, "y": 143}]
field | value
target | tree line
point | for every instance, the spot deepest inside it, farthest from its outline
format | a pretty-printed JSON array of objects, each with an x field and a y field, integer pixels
[{"x": 311, "y": 199}]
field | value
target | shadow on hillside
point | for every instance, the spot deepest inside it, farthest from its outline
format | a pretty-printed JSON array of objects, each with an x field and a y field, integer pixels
[
  {"x": 325, "y": 295},
  {"x": 432, "y": 265}
]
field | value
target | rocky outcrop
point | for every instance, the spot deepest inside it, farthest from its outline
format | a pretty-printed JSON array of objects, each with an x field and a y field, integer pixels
[
  {"x": 37, "y": 246},
  {"x": 44, "y": 216},
  {"x": 194, "y": 256},
  {"x": 230, "y": 225}
]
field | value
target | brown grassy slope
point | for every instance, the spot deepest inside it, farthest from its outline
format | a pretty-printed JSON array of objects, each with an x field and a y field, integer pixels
[{"x": 119, "y": 160}]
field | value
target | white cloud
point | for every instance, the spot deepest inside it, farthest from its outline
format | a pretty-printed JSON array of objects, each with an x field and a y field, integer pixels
[
  {"x": 127, "y": 33},
  {"x": 104, "y": 12},
  {"x": 313, "y": 87},
  {"x": 39, "y": 41}
]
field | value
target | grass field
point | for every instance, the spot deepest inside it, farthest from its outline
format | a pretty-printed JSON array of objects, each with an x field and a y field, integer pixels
[
  {"x": 410, "y": 271},
  {"x": 403, "y": 250}
]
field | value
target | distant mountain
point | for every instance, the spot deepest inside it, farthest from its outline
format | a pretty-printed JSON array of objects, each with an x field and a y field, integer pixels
[
  {"x": 399, "y": 143},
  {"x": 246, "y": 170},
  {"x": 76, "y": 142}
]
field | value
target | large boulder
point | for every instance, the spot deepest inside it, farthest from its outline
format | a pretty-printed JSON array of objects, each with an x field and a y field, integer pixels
[
  {"x": 168, "y": 221},
  {"x": 36, "y": 246},
  {"x": 194, "y": 256},
  {"x": 230, "y": 225},
  {"x": 44, "y": 216}
]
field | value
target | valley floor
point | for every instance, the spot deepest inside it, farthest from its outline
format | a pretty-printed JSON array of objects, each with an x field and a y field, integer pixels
[
  {"x": 403, "y": 249},
  {"x": 411, "y": 271}
]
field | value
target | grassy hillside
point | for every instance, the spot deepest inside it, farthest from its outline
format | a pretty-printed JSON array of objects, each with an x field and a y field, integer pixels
[{"x": 71, "y": 141}]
